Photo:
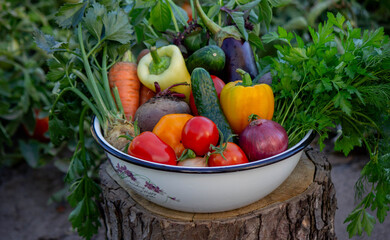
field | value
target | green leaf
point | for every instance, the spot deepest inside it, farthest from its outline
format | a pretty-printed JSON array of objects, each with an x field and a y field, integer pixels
[
  {"x": 76, "y": 166},
  {"x": 238, "y": 19},
  {"x": 265, "y": 12},
  {"x": 347, "y": 143},
  {"x": 59, "y": 130},
  {"x": 341, "y": 100},
  {"x": 255, "y": 40},
  {"x": 338, "y": 22},
  {"x": 270, "y": 37},
  {"x": 145, "y": 3},
  {"x": 30, "y": 152},
  {"x": 248, "y": 5},
  {"x": 46, "y": 42},
  {"x": 4, "y": 136},
  {"x": 93, "y": 20},
  {"x": 355, "y": 225},
  {"x": 70, "y": 15},
  {"x": 275, "y": 3},
  {"x": 179, "y": 13},
  {"x": 368, "y": 222},
  {"x": 213, "y": 11},
  {"x": 160, "y": 16},
  {"x": 117, "y": 27}
]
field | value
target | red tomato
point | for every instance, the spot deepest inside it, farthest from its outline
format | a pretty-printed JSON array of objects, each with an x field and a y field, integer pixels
[
  {"x": 149, "y": 147},
  {"x": 41, "y": 127},
  {"x": 233, "y": 154},
  {"x": 218, "y": 84},
  {"x": 198, "y": 134}
]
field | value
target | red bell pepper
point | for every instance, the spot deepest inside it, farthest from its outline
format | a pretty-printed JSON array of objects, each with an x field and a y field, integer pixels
[{"x": 150, "y": 147}]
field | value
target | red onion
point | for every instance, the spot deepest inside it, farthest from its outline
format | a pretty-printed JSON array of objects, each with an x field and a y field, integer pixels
[{"x": 263, "y": 138}]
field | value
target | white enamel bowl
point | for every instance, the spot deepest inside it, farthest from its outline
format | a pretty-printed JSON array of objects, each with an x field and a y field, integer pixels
[{"x": 202, "y": 190}]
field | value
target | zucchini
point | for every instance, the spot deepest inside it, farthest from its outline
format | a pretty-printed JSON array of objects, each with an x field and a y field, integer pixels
[
  {"x": 207, "y": 102},
  {"x": 211, "y": 58}
]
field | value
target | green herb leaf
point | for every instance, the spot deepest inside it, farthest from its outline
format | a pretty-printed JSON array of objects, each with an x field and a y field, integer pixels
[
  {"x": 160, "y": 16},
  {"x": 265, "y": 13},
  {"x": 70, "y": 15},
  {"x": 238, "y": 19},
  {"x": 117, "y": 27},
  {"x": 93, "y": 20},
  {"x": 46, "y": 42},
  {"x": 255, "y": 40}
]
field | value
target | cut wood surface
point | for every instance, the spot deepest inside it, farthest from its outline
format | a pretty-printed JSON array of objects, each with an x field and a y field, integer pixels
[{"x": 303, "y": 207}]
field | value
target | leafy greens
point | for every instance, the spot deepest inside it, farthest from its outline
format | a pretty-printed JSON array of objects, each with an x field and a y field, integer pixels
[{"x": 341, "y": 78}]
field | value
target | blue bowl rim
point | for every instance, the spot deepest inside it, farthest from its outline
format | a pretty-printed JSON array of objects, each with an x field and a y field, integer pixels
[{"x": 306, "y": 140}]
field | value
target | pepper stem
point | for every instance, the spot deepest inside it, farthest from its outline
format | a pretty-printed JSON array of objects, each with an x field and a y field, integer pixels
[
  {"x": 253, "y": 117},
  {"x": 186, "y": 154},
  {"x": 246, "y": 78},
  {"x": 155, "y": 56},
  {"x": 159, "y": 64}
]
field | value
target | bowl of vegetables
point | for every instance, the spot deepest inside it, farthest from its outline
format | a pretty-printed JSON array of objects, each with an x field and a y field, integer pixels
[{"x": 202, "y": 189}]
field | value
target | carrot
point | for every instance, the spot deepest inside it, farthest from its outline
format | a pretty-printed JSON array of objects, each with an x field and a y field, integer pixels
[
  {"x": 124, "y": 76},
  {"x": 145, "y": 94}
]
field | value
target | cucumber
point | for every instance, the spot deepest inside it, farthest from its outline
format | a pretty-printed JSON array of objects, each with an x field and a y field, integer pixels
[
  {"x": 207, "y": 102},
  {"x": 211, "y": 58}
]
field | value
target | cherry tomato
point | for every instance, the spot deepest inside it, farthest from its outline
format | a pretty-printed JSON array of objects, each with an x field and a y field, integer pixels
[
  {"x": 233, "y": 154},
  {"x": 40, "y": 128},
  {"x": 149, "y": 147},
  {"x": 198, "y": 134},
  {"x": 218, "y": 84}
]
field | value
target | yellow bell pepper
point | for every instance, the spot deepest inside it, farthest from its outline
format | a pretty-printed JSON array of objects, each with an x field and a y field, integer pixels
[
  {"x": 166, "y": 66},
  {"x": 240, "y": 99}
]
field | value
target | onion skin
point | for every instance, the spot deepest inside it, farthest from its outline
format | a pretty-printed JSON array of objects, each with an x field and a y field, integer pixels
[
  {"x": 263, "y": 138},
  {"x": 193, "y": 162}
]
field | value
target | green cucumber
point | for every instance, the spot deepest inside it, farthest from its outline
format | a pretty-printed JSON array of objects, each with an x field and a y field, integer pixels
[
  {"x": 211, "y": 58},
  {"x": 207, "y": 102}
]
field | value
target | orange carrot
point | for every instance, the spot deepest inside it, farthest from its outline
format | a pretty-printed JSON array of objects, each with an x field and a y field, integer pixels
[
  {"x": 124, "y": 76},
  {"x": 145, "y": 94}
]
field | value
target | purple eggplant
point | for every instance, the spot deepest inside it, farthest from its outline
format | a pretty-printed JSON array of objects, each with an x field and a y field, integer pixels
[{"x": 238, "y": 52}]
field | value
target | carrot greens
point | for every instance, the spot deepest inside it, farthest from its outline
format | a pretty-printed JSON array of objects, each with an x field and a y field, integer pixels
[{"x": 102, "y": 33}]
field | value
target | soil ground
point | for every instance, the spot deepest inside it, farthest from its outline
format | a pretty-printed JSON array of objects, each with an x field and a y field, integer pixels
[{"x": 25, "y": 212}]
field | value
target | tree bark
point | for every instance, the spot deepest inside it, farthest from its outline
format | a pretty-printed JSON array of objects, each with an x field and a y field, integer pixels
[{"x": 303, "y": 207}]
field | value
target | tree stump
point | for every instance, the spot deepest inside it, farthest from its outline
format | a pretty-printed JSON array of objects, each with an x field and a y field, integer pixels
[{"x": 303, "y": 207}]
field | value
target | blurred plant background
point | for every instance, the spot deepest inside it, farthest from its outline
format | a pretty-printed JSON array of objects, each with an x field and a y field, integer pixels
[
  {"x": 26, "y": 95},
  {"x": 26, "y": 92}
]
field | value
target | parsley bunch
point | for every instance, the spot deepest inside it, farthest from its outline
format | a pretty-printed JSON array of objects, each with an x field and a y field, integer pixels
[{"x": 340, "y": 78}]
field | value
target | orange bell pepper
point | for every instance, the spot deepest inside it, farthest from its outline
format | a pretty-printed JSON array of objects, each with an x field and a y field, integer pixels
[
  {"x": 169, "y": 129},
  {"x": 240, "y": 99}
]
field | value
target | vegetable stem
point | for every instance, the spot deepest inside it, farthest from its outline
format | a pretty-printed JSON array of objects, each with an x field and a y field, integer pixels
[
  {"x": 95, "y": 91},
  {"x": 150, "y": 28},
  {"x": 159, "y": 64},
  {"x": 105, "y": 79},
  {"x": 173, "y": 17},
  {"x": 83, "y": 97},
  {"x": 246, "y": 78},
  {"x": 178, "y": 12},
  {"x": 155, "y": 56},
  {"x": 211, "y": 26}
]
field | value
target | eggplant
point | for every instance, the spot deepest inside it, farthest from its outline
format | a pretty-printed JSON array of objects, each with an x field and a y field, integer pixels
[{"x": 238, "y": 52}]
